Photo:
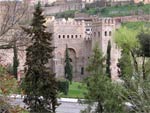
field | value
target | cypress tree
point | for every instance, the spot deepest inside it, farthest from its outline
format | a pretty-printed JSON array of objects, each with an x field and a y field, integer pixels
[
  {"x": 68, "y": 67},
  {"x": 108, "y": 60},
  {"x": 125, "y": 65},
  {"x": 15, "y": 61},
  {"x": 39, "y": 85}
]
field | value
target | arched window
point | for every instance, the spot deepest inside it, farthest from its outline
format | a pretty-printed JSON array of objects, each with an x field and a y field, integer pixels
[
  {"x": 63, "y": 36},
  {"x": 99, "y": 34},
  {"x": 82, "y": 70},
  {"x": 76, "y": 36},
  {"x": 94, "y": 34},
  {"x": 67, "y": 36},
  {"x": 71, "y": 36},
  {"x": 105, "y": 33},
  {"x": 59, "y": 36},
  {"x": 109, "y": 33}
]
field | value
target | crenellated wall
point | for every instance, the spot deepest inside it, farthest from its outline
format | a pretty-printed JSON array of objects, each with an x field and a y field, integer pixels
[
  {"x": 80, "y": 36},
  {"x": 71, "y": 33}
]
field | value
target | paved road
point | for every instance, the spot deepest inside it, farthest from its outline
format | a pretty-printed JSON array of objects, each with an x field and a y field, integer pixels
[{"x": 65, "y": 107}]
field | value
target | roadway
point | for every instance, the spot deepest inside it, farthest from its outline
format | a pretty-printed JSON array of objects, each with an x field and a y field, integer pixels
[{"x": 65, "y": 107}]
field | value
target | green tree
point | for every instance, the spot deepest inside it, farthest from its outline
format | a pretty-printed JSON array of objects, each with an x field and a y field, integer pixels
[
  {"x": 39, "y": 84},
  {"x": 8, "y": 85},
  {"x": 15, "y": 61},
  {"x": 108, "y": 60},
  {"x": 127, "y": 38},
  {"x": 125, "y": 64},
  {"x": 137, "y": 93},
  {"x": 100, "y": 89},
  {"x": 136, "y": 89},
  {"x": 96, "y": 63},
  {"x": 144, "y": 40},
  {"x": 68, "y": 67}
]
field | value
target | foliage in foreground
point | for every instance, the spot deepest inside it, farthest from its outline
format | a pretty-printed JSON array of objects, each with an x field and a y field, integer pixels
[
  {"x": 100, "y": 90},
  {"x": 63, "y": 86},
  {"x": 39, "y": 85},
  {"x": 8, "y": 85},
  {"x": 136, "y": 80},
  {"x": 111, "y": 98}
]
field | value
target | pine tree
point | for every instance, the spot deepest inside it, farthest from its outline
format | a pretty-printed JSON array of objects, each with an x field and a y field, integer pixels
[
  {"x": 68, "y": 67},
  {"x": 108, "y": 60},
  {"x": 39, "y": 84}
]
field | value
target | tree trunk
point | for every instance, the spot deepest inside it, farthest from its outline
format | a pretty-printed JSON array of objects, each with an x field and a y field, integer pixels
[
  {"x": 134, "y": 61},
  {"x": 99, "y": 108},
  {"x": 143, "y": 68}
]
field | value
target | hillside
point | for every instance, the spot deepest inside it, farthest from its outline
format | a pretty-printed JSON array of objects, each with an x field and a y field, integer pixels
[
  {"x": 126, "y": 10},
  {"x": 119, "y": 10},
  {"x": 136, "y": 25}
]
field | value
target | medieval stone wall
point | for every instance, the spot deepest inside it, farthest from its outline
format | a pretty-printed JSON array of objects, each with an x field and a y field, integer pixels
[
  {"x": 72, "y": 34},
  {"x": 133, "y": 18},
  {"x": 80, "y": 37},
  {"x": 63, "y": 7}
]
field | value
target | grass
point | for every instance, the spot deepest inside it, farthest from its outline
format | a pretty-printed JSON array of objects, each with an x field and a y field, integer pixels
[{"x": 76, "y": 90}]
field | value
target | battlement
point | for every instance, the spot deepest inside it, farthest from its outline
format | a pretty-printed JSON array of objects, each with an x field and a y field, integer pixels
[
  {"x": 107, "y": 21},
  {"x": 70, "y": 22}
]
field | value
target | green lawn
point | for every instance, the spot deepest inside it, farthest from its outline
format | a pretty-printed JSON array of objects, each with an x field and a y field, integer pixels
[{"x": 76, "y": 90}]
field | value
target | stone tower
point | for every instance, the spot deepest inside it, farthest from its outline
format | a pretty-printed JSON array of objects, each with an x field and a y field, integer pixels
[{"x": 80, "y": 36}]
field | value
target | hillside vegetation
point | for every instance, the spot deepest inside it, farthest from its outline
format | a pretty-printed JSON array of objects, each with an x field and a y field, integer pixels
[
  {"x": 125, "y": 10},
  {"x": 113, "y": 11},
  {"x": 136, "y": 25}
]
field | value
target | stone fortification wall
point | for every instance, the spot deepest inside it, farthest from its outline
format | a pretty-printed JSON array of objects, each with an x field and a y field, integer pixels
[
  {"x": 119, "y": 2},
  {"x": 70, "y": 33},
  {"x": 133, "y": 18},
  {"x": 63, "y": 7},
  {"x": 80, "y": 36}
]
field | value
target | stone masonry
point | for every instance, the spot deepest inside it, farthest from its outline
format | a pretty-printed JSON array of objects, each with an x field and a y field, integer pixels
[{"x": 81, "y": 36}]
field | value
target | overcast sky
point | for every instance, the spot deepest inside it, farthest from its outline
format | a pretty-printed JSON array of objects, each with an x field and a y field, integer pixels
[{"x": 10, "y": 0}]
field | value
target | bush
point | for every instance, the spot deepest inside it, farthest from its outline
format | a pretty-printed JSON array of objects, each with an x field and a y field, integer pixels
[
  {"x": 140, "y": 4},
  {"x": 66, "y": 14},
  {"x": 8, "y": 85},
  {"x": 63, "y": 86},
  {"x": 9, "y": 69}
]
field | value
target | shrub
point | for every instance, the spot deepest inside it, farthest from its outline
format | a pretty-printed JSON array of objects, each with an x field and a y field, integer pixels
[
  {"x": 63, "y": 86},
  {"x": 9, "y": 69}
]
